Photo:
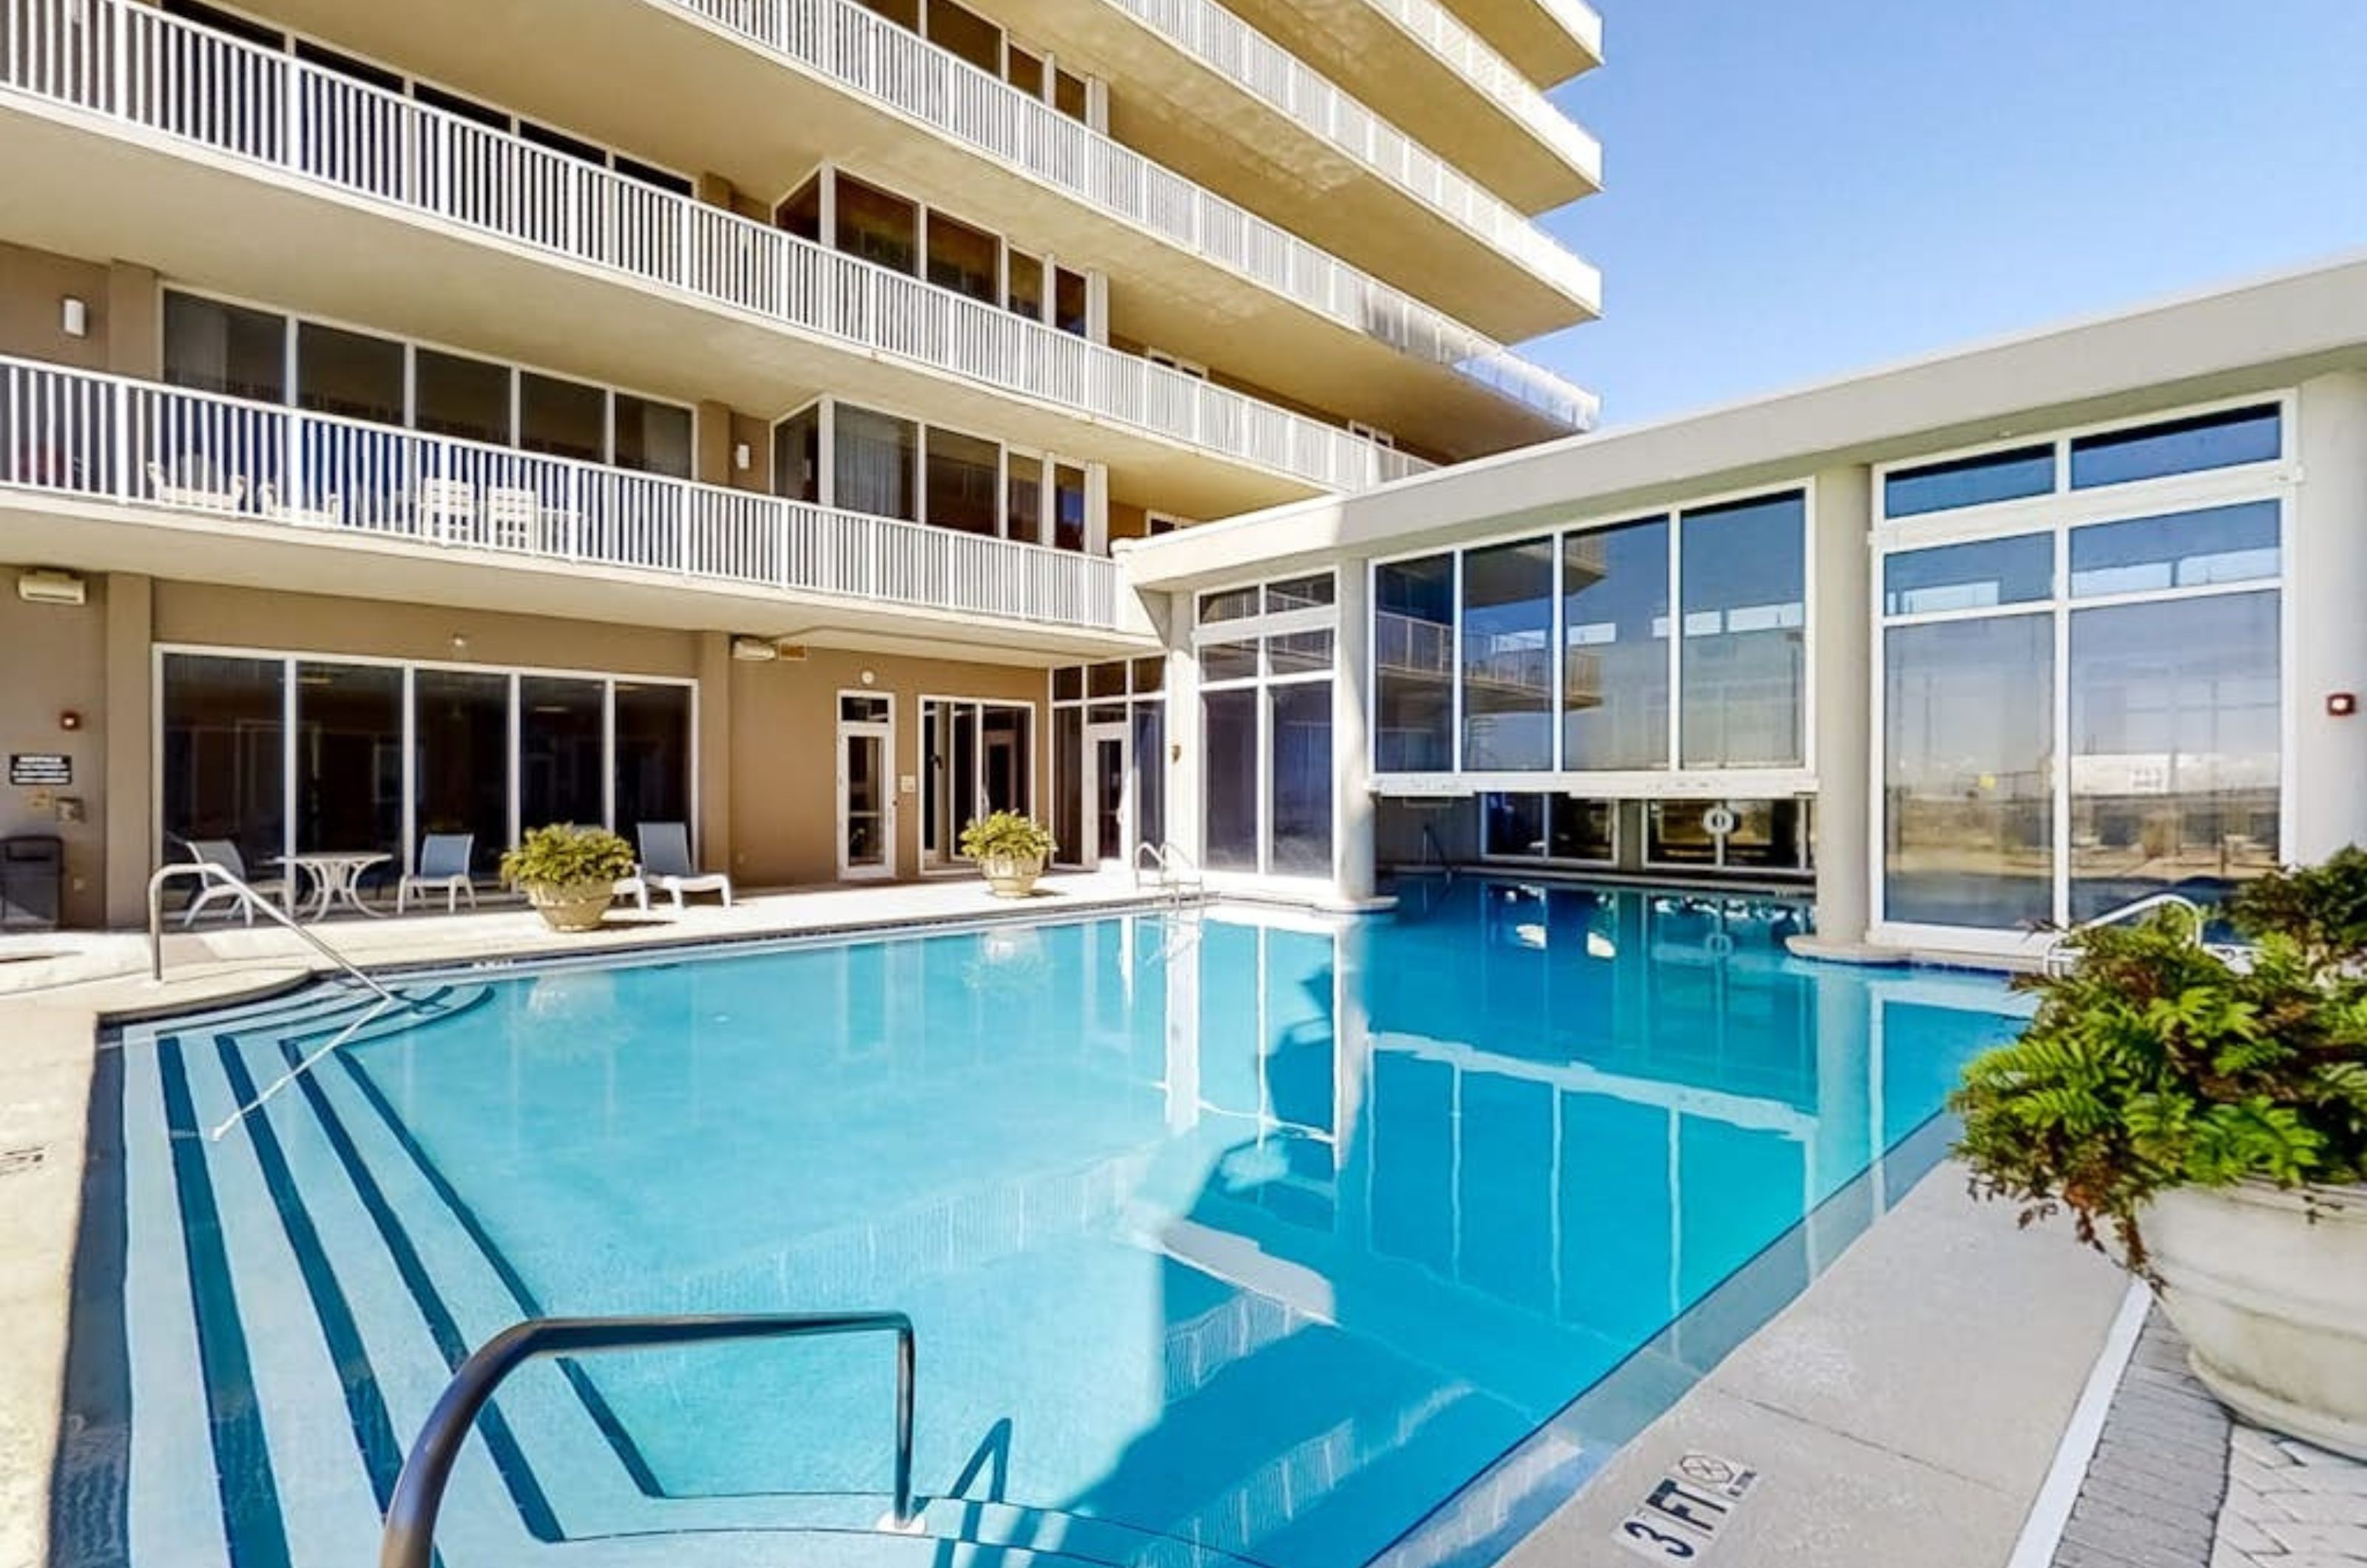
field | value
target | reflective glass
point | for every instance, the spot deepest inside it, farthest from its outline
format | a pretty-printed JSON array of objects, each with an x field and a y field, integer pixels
[
  {"x": 1229, "y": 660},
  {"x": 2179, "y": 446},
  {"x": 562, "y": 752},
  {"x": 1413, "y": 665},
  {"x": 875, "y": 456},
  {"x": 1302, "y": 779},
  {"x": 225, "y": 348},
  {"x": 456, "y": 396},
  {"x": 1508, "y": 594},
  {"x": 1229, "y": 727},
  {"x": 223, "y": 769},
  {"x": 1968, "y": 481},
  {"x": 1742, "y": 671},
  {"x": 349, "y": 761},
  {"x": 1967, "y": 577},
  {"x": 351, "y": 374},
  {"x": 462, "y": 732},
  {"x": 1615, "y": 700},
  {"x": 653, "y": 742},
  {"x": 1582, "y": 829},
  {"x": 566, "y": 419},
  {"x": 1513, "y": 827},
  {"x": 653, "y": 437},
  {"x": 2187, "y": 549},
  {"x": 965, "y": 474}
]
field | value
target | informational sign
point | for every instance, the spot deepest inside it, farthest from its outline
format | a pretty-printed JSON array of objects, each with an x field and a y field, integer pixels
[
  {"x": 1683, "y": 1514},
  {"x": 40, "y": 770}
]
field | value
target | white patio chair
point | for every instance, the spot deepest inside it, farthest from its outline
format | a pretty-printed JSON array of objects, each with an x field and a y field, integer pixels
[
  {"x": 511, "y": 517},
  {"x": 447, "y": 509},
  {"x": 196, "y": 487},
  {"x": 329, "y": 514},
  {"x": 242, "y": 900},
  {"x": 666, "y": 866},
  {"x": 443, "y": 867}
]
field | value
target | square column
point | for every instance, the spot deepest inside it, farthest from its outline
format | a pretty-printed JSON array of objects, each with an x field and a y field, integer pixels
[
  {"x": 2325, "y": 584},
  {"x": 1352, "y": 751},
  {"x": 1842, "y": 746}
]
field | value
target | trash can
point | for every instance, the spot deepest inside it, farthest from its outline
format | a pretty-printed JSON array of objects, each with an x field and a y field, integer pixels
[{"x": 32, "y": 881}]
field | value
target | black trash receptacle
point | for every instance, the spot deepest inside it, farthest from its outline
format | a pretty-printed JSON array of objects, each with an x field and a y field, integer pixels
[{"x": 32, "y": 881}]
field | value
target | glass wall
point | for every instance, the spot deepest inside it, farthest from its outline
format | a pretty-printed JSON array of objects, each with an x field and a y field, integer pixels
[
  {"x": 1109, "y": 759},
  {"x": 1554, "y": 827},
  {"x": 653, "y": 742},
  {"x": 1742, "y": 666},
  {"x": 2086, "y": 706},
  {"x": 1615, "y": 694},
  {"x": 562, "y": 729},
  {"x": 223, "y": 771},
  {"x": 462, "y": 745},
  {"x": 1508, "y": 615},
  {"x": 1413, "y": 665},
  {"x": 1265, "y": 654},
  {"x": 976, "y": 758},
  {"x": 1229, "y": 741},
  {"x": 350, "y": 757}
]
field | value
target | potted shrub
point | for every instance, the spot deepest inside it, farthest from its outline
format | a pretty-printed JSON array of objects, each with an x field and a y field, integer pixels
[
  {"x": 568, "y": 874},
  {"x": 1010, "y": 849},
  {"x": 2205, "y": 1116}
]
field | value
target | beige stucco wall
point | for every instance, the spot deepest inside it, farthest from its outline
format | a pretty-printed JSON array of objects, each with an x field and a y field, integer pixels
[
  {"x": 34, "y": 286},
  {"x": 56, "y": 663},
  {"x": 785, "y": 765}
]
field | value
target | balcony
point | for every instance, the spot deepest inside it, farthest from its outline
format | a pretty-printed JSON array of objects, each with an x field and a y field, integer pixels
[
  {"x": 1550, "y": 40},
  {"x": 267, "y": 471},
  {"x": 143, "y": 74}
]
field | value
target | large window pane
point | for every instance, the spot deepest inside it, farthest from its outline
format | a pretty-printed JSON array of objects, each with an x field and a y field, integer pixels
[
  {"x": 562, "y": 756},
  {"x": 1969, "y": 713},
  {"x": 463, "y": 736},
  {"x": 965, "y": 33},
  {"x": 350, "y": 374},
  {"x": 796, "y": 457},
  {"x": 1508, "y": 656},
  {"x": 1513, "y": 827},
  {"x": 653, "y": 742},
  {"x": 2188, "y": 549},
  {"x": 566, "y": 419},
  {"x": 225, "y": 348},
  {"x": 877, "y": 225},
  {"x": 1969, "y": 481},
  {"x": 2175, "y": 750},
  {"x": 1069, "y": 530},
  {"x": 468, "y": 399},
  {"x": 1582, "y": 829},
  {"x": 1615, "y": 705},
  {"x": 1024, "y": 500},
  {"x": 653, "y": 437},
  {"x": 349, "y": 761},
  {"x": 1007, "y": 757},
  {"x": 962, "y": 258},
  {"x": 1302, "y": 779},
  {"x": 1068, "y": 784},
  {"x": 225, "y": 755},
  {"x": 874, "y": 463},
  {"x": 1150, "y": 772},
  {"x": 964, "y": 475},
  {"x": 1766, "y": 836},
  {"x": 1414, "y": 662},
  {"x": 2179, "y": 446},
  {"x": 1983, "y": 575},
  {"x": 1230, "y": 724},
  {"x": 1741, "y": 675}
]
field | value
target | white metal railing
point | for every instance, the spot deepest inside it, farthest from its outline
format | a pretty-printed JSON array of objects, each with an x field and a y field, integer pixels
[
  {"x": 1438, "y": 30},
  {"x": 143, "y": 67},
  {"x": 2060, "y": 952},
  {"x": 853, "y": 48},
  {"x": 108, "y": 438},
  {"x": 1409, "y": 644}
]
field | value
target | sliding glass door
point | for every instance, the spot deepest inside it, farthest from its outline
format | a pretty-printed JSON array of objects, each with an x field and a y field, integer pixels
[{"x": 976, "y": 758}]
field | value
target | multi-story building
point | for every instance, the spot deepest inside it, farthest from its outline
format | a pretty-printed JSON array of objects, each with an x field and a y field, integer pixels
[{"x": 457, "y": 417}]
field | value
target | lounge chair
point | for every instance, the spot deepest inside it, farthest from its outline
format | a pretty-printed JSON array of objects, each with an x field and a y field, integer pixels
[
  {"x": 666, "y": 866},
  {"x": 443, "y": 866},
  {"x": 224, "y": 853}
]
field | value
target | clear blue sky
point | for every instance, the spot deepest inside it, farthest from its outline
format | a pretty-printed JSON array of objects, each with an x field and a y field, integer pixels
[{"x": 1796, "y": 191}]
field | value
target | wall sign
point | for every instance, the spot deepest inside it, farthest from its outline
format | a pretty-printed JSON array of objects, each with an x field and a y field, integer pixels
[
  {"x": 1683, "y": 1515},
  {"x": 40, "y": 770}
]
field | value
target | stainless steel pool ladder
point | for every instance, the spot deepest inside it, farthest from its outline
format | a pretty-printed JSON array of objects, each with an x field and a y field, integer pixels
[
  {"x": 204, "y": 871},
  {"x": 1435, "y": 852},
  {"x": 2061, "y": 951},
  {"x": 1175, "y": 871},
  {"x": 409, "y": 1538}
]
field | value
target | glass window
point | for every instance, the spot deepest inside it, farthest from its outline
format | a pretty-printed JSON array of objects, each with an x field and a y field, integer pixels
[
  {"x": 1967, "y": 577},
  {"x": 1229, "y": 660},
  {"x": 462, "y": 733},
  {"x": 1677, "y": 833},
  {"x": 225, "y": 348},
  {"x": 654, "y": 743},
  {"x": 2175, "y": 748},
  {"x": 962, "y": 258},
  {"x": 1298, "y": 653},
  {"x": 1105, "y": 680},
  {"x": 566, "y": 419},
  {"x": 1068, "y": 683},
  {"x": 903, "y": 13},
  {"x": 1022, "y": 292},
  {"x": 1230, "y": 724},
  {"x": 1068, "y": 784},
  {"x": 351, "y": 375},
  {"x": 965, "y": 474},
  {"x": 657, "y": 178},
  {"x": 1150, "y": 675},
  {"x": 1071, "y": 311},
  {"x": 469, "y": 109},
  {"x": 561, "y": 752},
  {"x": 2179, "y": 446},
  {"x": 468, "y": 399},
  {"x": 1068, "y": 93},
  {"x": 223, "y": 768},
  {"x": 1228, "y": 604},
  {"x": 1023, "y": 498},
  {"x": 796, "y": 457},
  {"x": 653, "y": 437},
  {"x": 349, "y": 759},
  {"x": 1302, "y": 779},
  {"x": 965, "y": 33},
  {"x": 1508, "y": 592},
  {"x": 1006, "y": 758},
  {"x": 801, "y": 212},
  {"x": 1969, "y": 481},
  {"x": 857, "y": 709},
  {"x": 1513, "y": 827},
  {"x": 1068, "y": 532},
  {"x": 876, "y": 226},
  {"x": 1150, "y": 721},
  {"x": 560, "y": 142},
  {"x": 1968, "y": 718},
  {"x": 2188, "y": 549},
  {"x": 1742, "y": 672},
  {"x": 1766, "y": 836},
  {"x": 1022, "y": 70},
  {"x": 1582, "y": 829},
  {"x": 1300, "y": 594},
  {"x": 1413, "y": 662},
  {"x": 874, "y": 463},
  {"x": 1614, "y": 697}
]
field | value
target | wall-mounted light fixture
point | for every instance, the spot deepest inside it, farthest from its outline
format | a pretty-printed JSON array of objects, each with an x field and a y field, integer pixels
[
  {"x": 73, "y": 317},
  {"x": 741, "y": 458}
]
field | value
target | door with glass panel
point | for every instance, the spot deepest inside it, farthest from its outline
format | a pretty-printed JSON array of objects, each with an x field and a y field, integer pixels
[
  {"x": 866, "y": 801},
  {"x": 1109, "y": 774}
]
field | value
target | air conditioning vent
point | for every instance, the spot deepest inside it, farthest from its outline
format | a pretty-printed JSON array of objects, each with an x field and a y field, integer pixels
[{"x": 51, "y": 588}]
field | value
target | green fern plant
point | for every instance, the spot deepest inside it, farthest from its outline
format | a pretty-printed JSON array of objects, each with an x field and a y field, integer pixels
[{"x": 2157, "y": 1062}]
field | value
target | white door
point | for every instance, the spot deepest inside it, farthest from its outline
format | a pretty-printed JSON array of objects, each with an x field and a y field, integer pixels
[
  {"x": 867, "y": 786},
  {"x": 1109, "y": 798}
]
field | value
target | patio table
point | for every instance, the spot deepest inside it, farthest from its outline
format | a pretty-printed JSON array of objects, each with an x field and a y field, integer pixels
[{"x": 335, "y": 876}]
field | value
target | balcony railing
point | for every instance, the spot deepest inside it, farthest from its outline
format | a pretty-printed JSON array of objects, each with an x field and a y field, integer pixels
[
  {"x": 107, "y": 439},
  {"x": 1438, "y": 30},
  {"x": 856, "y": 49},
  {"x": 143, "y": 67}
]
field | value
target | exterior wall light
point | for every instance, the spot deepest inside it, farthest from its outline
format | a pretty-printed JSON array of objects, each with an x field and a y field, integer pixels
[{"x": 73, "y": 317}]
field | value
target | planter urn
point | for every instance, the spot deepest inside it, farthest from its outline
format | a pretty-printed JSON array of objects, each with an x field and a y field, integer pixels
[
  {"x": 578, "y": 906},
  {"x": 1011, "y": 876}
]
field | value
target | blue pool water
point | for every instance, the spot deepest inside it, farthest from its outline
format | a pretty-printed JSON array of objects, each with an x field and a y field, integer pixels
[{"x": 1226, "y": 1235}]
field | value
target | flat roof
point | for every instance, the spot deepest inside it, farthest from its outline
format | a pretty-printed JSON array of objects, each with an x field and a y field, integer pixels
[{"x": 2227, "y": 340}]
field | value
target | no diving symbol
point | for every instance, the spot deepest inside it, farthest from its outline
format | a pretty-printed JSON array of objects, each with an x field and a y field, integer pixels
[{"x": 1719, "y": 820}]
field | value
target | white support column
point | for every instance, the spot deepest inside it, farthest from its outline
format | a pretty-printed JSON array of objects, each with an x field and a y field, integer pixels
[
  {"x": 1840, "y": 640},
  {"x": 1187, "y": 809},
  {"x": 2325, "y": 584},
  {"x": 1352, "y": 755}
]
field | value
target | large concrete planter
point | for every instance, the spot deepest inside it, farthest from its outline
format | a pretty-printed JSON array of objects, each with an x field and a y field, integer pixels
[
  {"x": 578, "y": 907},
  {"x": 2272, "y": 1302},
  {"x": 1010, "y": 876}
]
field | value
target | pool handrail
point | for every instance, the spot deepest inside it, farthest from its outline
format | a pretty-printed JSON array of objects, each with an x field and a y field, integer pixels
[
  {"x": 2051, "y": 956},
  {"x": 205, "y": 871},
  {"x": 1174, "y": 868},
  {"x": 411, "y": 1513}
]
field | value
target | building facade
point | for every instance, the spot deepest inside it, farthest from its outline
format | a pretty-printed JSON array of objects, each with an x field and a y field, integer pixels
[
  {"x": 455, "y": 418},
  {"x": 2003, "y": 640}
]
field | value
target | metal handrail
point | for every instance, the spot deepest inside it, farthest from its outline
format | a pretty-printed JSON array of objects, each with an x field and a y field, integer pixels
[
  {"x": 409, "y": 1538},
  {"x": 2061, "y": 941},
  {"x": 205, "y": 871},
  {"x": 1176, "y": 869},
  {"x": 1433, "y": 850}
]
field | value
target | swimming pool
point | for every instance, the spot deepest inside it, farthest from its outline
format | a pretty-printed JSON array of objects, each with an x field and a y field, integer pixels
[{"x": 1228, "y": 1235}]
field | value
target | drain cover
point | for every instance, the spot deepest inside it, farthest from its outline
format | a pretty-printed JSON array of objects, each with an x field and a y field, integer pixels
[{"x": 15, "y": 1161}]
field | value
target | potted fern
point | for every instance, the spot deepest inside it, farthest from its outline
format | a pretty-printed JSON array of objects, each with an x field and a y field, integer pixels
[
  {"x": 2204, "y": 1115},
  {"x": 1010, "y": 849},
  {"x": 568, "y": 874}
]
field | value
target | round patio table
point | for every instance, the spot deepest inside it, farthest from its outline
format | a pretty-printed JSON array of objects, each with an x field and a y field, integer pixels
[{"x": 336, "y": 877}]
